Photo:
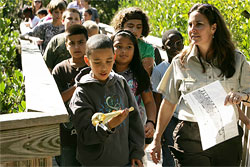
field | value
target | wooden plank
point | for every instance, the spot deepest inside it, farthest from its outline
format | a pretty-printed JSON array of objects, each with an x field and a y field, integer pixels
[
  {"x": 29, "y": 119},
  {"x": 29, "y": 143},
  {"x": 37, "y": 162}
]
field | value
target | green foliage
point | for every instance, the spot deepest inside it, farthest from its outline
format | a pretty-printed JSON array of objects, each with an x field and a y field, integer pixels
[
  {"x": 106, "y": 9},
  {"x": 169, "y": 14},
  {"x": 11, "y": 79}
]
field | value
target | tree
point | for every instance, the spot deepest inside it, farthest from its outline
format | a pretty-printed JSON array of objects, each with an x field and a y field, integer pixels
[{"x": 169, "y": 14}]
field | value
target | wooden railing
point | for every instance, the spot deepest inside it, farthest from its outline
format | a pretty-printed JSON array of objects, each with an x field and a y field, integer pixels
[
  {"x": 156, "y": 42},
  {"x": 31, "y": 138}
]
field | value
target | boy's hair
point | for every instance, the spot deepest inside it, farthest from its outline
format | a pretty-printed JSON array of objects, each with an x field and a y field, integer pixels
[
  {"x": 88, "y": 1},
  {"x": 90, "y": 24},
  {"x": 76, "y": 29},
  {"x": 42, "y": 11},
  {"x": 27, "y": 9},
  {"x": 71, "y": 10},
  {"x": 54, "y": 4},
  {"x": 89, "y": 11},
  {"x": 98, "y": 41},
  {"x": 166, "y": 34},
  {"x": 139, "y": 73},
  {"x": 128, "y": 14}
]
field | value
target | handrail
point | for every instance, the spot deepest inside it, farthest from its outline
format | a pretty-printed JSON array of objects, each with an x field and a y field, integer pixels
[{"x": 34, "y": 134}]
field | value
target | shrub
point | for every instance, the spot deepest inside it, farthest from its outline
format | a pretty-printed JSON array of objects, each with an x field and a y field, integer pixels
[
  {"x": 106, "y": 9},
  {"x": 11, "y": 78},
  {"x": 168, "y": 14}
]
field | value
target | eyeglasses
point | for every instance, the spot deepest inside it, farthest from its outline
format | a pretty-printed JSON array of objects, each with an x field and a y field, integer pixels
[
  {"x": 38, "y": 1},
  {"x": 177, "y": 44}
]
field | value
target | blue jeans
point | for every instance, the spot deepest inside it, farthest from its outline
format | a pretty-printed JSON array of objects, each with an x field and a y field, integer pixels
[
  {"x": 67, "y": 157},
  {"x": 167, "y": 139}
]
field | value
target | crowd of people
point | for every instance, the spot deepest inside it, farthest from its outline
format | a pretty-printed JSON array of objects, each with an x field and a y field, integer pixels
[{"x": 96, "y": 73}]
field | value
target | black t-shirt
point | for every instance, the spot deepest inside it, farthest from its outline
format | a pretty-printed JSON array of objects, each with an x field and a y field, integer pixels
[{"x": 64, "y": 75}]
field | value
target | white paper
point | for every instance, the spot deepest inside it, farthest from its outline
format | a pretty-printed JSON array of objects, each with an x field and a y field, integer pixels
[{"x": 217, "y": 122}]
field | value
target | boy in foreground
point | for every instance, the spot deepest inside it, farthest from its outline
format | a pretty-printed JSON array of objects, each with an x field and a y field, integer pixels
[
  {"x": 64, "y": 74},
  {"x": 120, "y": 141}
]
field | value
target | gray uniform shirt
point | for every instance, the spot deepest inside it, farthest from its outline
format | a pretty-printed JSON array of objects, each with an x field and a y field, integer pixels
[{"x": 179, "y": 81}]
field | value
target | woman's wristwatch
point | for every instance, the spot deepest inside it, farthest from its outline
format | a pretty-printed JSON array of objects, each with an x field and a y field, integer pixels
[{"x": 247, "y": 99}]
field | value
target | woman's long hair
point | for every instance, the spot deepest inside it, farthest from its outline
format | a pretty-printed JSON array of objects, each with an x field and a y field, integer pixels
[
  {"x": 222, "y": 45},
  {"x": 139, "y": 73},
  {"x": 34, "y": 8}
]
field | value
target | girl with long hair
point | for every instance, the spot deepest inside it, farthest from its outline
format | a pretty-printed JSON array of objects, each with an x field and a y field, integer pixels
[{"x": 128, "y": 64}]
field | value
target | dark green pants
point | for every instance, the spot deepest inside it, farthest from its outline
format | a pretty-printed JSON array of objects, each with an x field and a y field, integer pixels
[{"x": 188, "y": 151}]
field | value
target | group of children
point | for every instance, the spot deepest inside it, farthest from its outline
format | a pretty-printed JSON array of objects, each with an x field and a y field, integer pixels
[
  {"x": 88, "y": 81},
  {"x": 43, "y": 29},
  {"x": 85, "y": 67},
  {"x": 95, "y": 73}
]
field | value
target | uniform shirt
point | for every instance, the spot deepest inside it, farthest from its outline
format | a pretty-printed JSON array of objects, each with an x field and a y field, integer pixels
[{"x": 178, "y": 80}]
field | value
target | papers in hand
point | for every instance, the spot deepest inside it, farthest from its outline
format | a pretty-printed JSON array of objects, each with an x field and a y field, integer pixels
[{"x": 217, "y": 122}]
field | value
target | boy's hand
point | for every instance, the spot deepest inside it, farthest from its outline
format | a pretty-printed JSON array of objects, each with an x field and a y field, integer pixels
[
  {"x": 136, "y": 162},
  {"x": 115, "y": 121},
  {"x": 36, "y": 40}
]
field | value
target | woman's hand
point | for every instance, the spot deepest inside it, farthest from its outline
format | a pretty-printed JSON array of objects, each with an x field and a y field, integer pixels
[
  {"x": 156, "y": 151},
  {"x": 234, "y": 98}
]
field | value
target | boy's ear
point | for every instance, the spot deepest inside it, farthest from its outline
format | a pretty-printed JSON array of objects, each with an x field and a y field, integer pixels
[{"x": 86, "y": 60}]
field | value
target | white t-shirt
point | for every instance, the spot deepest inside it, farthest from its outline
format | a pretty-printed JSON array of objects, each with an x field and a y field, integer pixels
[
  {"x": 74, "y": 5},
  {"x": 34, "y": 21}
]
